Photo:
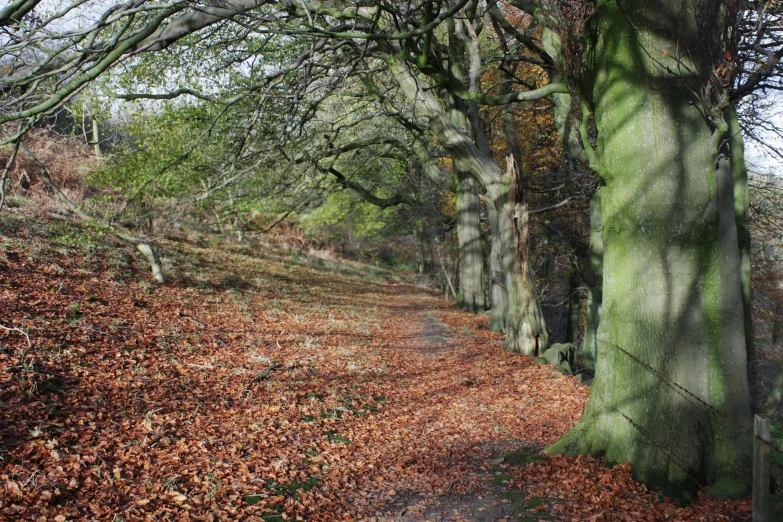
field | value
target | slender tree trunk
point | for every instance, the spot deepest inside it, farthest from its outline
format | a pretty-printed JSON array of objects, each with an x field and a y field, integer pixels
[
  {"x": 84, "y": 128},
  {"x": 574, "y": 310},
  {"x": 594, "y": 282},
  {"x": 421, "y": 247},
  {"x": 672, "y": 315},
  {"x": 96, "y": 136}
]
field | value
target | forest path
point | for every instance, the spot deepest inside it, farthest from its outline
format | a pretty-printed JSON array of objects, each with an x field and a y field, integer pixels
[
  {"x": 253, "y": 387},
  {"x": 488, "y": 495},
  {"x": 264, "y": 385}
]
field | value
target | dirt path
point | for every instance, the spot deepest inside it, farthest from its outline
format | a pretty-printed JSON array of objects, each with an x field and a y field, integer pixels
[
  {"x": 250, "y": 388},
  {"x": 490, "y": 495}
]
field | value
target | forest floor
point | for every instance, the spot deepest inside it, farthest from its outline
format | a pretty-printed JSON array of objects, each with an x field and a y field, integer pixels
[{"x": 264, "y": 383}]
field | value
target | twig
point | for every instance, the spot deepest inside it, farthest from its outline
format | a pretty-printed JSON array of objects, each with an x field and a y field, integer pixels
[
  {"x": 553, "y": 207},
  {"x": 275, "y": 367},
  {"x": 194, "y": 320},
  {"x": 29, "y": 344},
  {"x": 93, "y": 330},
  {"x": 202, "y": 366}
]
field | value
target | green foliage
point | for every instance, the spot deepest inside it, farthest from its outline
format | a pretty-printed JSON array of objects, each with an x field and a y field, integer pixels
[
  {"x": 170, "y": 151},
  {"x": 177, "y": 157},
  {"x": 346, "y": 219}
]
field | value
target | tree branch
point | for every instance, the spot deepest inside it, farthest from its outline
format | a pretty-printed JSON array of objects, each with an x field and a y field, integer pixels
[
  {"x": 553, "y": 207},
  {"x": 142, "y": 246},
  {"x": 393, "y": 201},
  {"x": 461, "y": 91}
]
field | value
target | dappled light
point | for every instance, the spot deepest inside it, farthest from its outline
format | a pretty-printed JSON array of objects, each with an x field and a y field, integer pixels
[
  {"x": 442, "y": 260},
  {"x": 318, "y": 393}
]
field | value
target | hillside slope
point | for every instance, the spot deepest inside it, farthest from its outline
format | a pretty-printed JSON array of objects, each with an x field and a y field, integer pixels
[{"x": 265, "y": 384}]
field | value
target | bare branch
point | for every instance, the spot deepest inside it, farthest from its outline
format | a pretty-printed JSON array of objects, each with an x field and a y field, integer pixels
[{"x": 19, "y": 330}]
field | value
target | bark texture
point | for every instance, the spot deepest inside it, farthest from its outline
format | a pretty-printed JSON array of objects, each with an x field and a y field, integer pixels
[
  {"x": 470, "y": 293},
  {"x": 672, "y": 317},
  {"x": 526, "y": 329},
  {"x": 497, "y": 274},
  {"x": 524, "y": 317},
  {"x": 739, "y": 173},
  {"x": 594, "y": 281},
  {"x": 464, "y": 116}
]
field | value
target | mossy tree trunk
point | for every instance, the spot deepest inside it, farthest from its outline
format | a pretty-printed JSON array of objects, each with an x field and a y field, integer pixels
[
  {"x": 471, "y": 296},
  {"x": 672, "y": 317},
  {"x": 497, "y": 273},
  {"x": 594, "y": 282},
  {"x": 524, "y": 318},
  {"x": 470, "y": 292}
]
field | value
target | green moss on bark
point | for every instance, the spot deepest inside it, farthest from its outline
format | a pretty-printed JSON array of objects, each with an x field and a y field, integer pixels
[{"x": 668, "y": 295}]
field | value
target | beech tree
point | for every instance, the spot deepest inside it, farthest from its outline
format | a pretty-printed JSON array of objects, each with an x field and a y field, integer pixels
[
  {"x": 671, "y": 392},
  {"x": 647, "y": 99}
]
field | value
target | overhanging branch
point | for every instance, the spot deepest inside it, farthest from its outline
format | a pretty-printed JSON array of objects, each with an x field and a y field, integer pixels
[
  {"x": 504, "y": 99},
  {"x": 393, "y": 201}
]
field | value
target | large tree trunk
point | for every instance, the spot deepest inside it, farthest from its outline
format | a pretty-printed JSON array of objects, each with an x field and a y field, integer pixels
[
  {"x": 470, "y": 293},
  {"x": 526, "y": 330},
  {"x": 594, "y": 282},
  {"x": 672, "y": 317},
  {"x": 471, "y": 255},
  {"x": 524, "y": 313}
]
